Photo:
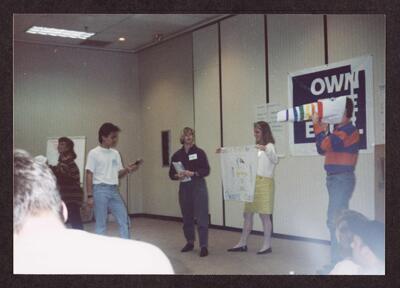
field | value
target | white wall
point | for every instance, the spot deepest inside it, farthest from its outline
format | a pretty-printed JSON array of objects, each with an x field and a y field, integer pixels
[
  {"x": 207, "y": 111},
  {"x": 350, "y": 36},
  {"x": 166, "y": 90},
  {"x": 354, "y": 35},
  {"x": 69, "y": 91},
  {"x": 243, "y": 86},
  {"x": 296, "y": 42}
]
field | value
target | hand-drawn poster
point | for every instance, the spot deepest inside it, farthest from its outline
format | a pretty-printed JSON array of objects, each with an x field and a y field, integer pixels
[{"x": 238, "y": 170}]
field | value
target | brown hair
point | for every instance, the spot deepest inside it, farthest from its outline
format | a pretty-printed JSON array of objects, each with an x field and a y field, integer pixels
[
  {"x": 185, "y": 131},
  {"x": 266, "y": 132},
  {"x": 343, "y": 221},
  {"x": 70, "y": 146},
  {"x": 349, "y": 108},
  {"x": 106, "y": 129}
]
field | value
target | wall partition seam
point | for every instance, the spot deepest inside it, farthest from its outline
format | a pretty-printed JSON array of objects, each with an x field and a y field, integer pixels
[
  {"x": 266, "y": 58},
  {"x": 220, "y": 111},
  {"x": 267, "y": 81},
  {"x": 194, "y": 103},
  {"x": 326, "y": 39}
]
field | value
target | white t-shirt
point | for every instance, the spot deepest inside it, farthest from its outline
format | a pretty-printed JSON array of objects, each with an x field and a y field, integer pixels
[
  {"x": 266, "y": 161},
  {"x": 104, "y": 164},
  {"x": 70, "y": 251}
]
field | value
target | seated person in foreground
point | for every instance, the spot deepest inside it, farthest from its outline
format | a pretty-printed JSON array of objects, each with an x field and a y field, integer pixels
[
  {"x": 363, "y": 243},
  {"x": 43, "y": 245}
]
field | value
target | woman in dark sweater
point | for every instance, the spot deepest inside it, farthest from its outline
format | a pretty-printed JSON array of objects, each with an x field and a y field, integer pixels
[{"x": 68, "y": 180}]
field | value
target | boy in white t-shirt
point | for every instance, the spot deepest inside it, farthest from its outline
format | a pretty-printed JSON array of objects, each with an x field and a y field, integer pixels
[{"x": 103, "y": 170}]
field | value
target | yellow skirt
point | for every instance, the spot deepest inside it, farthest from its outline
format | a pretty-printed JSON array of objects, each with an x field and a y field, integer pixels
[{"x": 263, "y": 201}]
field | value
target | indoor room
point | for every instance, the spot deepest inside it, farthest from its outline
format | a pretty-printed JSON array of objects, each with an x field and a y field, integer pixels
[{"x": 221, "y": 76}]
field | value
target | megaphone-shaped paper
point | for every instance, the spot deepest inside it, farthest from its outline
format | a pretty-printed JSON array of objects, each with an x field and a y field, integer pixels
[{"x": 329, "y": 110}]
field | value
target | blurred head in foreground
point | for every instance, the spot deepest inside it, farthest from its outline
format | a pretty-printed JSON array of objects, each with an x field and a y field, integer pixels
[
  {"x": 362, "y": 240},
  {"x": 35, "y": 192},
  {"x": 43, "y": 245}
]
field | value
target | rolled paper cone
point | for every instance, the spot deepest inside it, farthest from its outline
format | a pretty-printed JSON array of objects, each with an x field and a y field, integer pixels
[
  {"x": 329, "y": 110},
  {"x": 333, "y": 109},
  {"x": 298, "y": 113}
]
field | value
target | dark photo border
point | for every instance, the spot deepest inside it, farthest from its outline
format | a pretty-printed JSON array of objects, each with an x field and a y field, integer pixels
[{"x": 391, "y": 8}]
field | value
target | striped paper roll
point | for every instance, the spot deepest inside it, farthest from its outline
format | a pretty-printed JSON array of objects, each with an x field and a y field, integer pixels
[{"x": 329, "y": 111}]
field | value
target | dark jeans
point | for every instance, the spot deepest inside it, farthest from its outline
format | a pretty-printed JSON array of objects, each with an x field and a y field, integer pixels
[
  {"x": 340, "y": 189},
  {"x": 193, "y": 200},
  {"x": 74, "y": 216}
]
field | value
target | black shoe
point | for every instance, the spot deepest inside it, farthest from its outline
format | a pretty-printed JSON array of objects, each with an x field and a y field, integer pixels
[
  {"x": 203, "y": 252},
  {"x": 188, "y": 247},
  {"x": 238, "y": 249},
  {"x": 266, "y": 251}
]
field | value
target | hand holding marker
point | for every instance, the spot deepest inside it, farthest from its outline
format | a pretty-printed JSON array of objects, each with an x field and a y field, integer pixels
[{"x": 135, "y": 166}]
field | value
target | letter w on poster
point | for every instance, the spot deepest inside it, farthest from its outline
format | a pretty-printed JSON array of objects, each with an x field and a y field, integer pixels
[{"x": 238, "y": 169}]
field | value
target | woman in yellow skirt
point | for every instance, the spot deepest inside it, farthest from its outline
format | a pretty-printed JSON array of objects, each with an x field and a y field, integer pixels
[{"x": 263, "y": 202}]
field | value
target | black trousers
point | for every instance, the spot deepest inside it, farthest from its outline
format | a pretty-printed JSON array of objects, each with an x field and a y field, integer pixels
[
  {"x": 193, "y": 200},
  {"x": 74, "y": 216}
]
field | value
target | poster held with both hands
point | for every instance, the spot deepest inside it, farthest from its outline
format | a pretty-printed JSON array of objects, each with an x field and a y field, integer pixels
[{"x": 238, "y": 171}]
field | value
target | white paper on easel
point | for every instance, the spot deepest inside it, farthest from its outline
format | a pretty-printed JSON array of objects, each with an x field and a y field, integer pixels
[{"x": 180, "y": 168}]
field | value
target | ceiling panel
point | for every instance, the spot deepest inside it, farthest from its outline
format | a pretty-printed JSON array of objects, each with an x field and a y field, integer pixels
[
  {"x": 138, "y": 29},
  {"x": 155, "y": 23},
  {"x": 132, "y": 40},
  {"x": 94, "y": 22}
]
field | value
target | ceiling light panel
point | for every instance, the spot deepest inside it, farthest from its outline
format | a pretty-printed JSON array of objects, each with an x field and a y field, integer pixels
[{"x": 59, "y": 32}]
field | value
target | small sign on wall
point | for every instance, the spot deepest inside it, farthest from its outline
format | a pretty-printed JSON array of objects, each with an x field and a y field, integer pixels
[{"x": 267, "y": 112}]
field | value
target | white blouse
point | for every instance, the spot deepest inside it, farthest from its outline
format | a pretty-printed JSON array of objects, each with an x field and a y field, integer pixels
[{"x": 266, "y": 161}]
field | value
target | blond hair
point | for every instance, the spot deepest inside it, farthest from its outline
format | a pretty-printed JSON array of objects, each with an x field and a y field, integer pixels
[{"x": 186, "y": 131}]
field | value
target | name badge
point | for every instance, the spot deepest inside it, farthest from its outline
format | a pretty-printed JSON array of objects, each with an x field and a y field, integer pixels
[{"x": 192, "y": 157}]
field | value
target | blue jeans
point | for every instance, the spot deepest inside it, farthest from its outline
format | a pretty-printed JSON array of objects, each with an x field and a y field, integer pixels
[
  {"x": 107, "y": 196},
  {"x": 340, "y": 189}
]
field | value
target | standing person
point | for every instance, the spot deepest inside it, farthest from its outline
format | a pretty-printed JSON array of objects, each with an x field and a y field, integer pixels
[
  {"x": 340, "y": 149},
  {"x": 193, "y": 194},
  {"x": 263, "y": 202},
  {"x": 103, "y": 169},
  {"x": 68, "y": 181}
]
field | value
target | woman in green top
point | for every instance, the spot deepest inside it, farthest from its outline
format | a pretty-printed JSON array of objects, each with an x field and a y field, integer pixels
[{"x": 68, "y": 180}]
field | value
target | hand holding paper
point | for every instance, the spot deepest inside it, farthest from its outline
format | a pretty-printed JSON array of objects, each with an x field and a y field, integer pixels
[{"x": 180, "y": 169}]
